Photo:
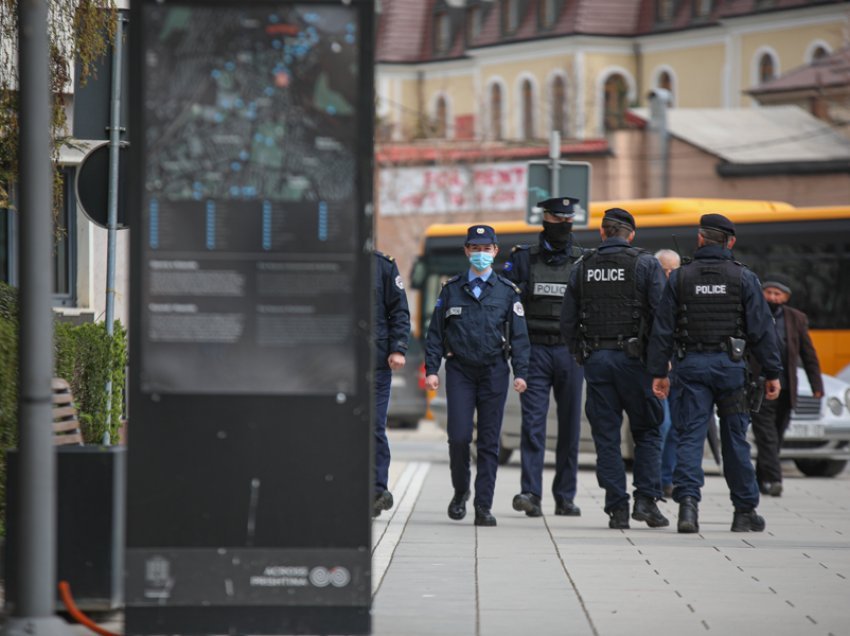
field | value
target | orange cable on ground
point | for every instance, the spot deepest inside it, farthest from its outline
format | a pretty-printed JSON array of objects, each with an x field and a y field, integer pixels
[{"x": 77, "y": 615}]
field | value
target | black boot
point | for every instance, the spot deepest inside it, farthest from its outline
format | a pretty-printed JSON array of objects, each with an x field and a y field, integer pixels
[
  {"x": 457, "y": 506},
  {"x": 688, "y": 516},
  {"x": 383, "y": 501},
  {"x": 619, "y": 517},
  {"x": 483, "y": 517},
  {"x": 646, "y": 510},
  {"x": 566, "y": 508},
  {"x": 528, "y": 503},
  {"x": 747, "y": 521}
]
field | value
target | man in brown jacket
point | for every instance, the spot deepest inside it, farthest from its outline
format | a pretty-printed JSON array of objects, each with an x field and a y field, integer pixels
[{"x": 795, "y": 345}]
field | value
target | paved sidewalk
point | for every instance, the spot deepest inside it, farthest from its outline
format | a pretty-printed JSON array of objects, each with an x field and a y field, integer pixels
[{"x": 566, "y": 575}]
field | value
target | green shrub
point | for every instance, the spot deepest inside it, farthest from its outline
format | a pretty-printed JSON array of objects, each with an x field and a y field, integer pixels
[{"x": 84, "y": 355}]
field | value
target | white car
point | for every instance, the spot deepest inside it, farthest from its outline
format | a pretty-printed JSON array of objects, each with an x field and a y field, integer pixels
[{"x": 817, "y": 439}]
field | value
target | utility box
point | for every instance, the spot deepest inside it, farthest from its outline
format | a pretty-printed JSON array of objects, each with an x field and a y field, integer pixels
[
  {"x": 249, "y": 464},
  {"x": 90, "y": 490}
]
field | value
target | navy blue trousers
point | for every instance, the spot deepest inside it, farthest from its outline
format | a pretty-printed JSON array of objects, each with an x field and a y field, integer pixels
[
  {"x": 703, "y": 379},
  {"x": 616, "y": 383},
  {"x": 551, "y": 369},
  {"x": 470, "y": 391},
  {"x": 383, "y": 380}
]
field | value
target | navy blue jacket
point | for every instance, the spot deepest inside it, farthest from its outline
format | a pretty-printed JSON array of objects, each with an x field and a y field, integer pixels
[
  {"x": 392, "y": 316},
  {"x": 518, "y": 266},
  {"x": 472, "y": 330},
  {"x": 649, "y": 278},
  {"x": 760, "y": 329}
]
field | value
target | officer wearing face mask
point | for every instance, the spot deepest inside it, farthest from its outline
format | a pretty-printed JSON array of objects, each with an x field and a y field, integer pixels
[
  {"x": 478, "y": 325},
  {"x": 542, "y": 272}
]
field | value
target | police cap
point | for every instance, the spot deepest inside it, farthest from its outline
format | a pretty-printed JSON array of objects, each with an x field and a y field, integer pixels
[
  {"x": 717, "y": 222},
  {"x": 481, "y": 235},
  {"x": 621, "y": 216},
  {"x": 778, "y": 281},
  {"x": 559, "y": 206}
]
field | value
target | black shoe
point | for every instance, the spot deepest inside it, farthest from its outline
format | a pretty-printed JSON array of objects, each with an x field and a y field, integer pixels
[
  {"x": 646, "y": 510},
  {"x": 528, "y": 503},
  {"x": 483, "y": 517},
  {"x": 566, "y": 508},
  {"x": 747, "y": 521},
  {"x": 619, "y": 517},
  {"x": 457, "y": 506},
  {"x": 383, "y": 501},
  {"x": 688, "y": 516},
  {"x": 772, "y": 488}
]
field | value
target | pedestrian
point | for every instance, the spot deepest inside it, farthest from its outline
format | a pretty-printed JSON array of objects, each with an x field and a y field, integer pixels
[
  {"x": 478, "y": 325},
  {"x": 542, "y": 272},
  {"x": 669, "y": 260},
  {"x": 392, "y": 332},
  {"x": 711, "y": 312},
  {"x": 795, "y": 346},
  {"x": 606, "y": 319}
]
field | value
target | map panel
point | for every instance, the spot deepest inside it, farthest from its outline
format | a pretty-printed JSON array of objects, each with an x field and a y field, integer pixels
[{"x": 251, "y": 199}]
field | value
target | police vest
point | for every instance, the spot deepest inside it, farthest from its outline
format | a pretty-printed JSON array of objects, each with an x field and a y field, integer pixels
[
  {"x": 711, "y": 307},
  {"x": 546, "y": 287},
  {"x": 610, "y": 310}
]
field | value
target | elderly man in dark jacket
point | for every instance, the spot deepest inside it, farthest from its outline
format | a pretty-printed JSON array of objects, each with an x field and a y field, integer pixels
[{"x": 795, "y": 346}]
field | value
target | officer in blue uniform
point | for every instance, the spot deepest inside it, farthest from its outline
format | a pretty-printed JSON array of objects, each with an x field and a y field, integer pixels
[
  {"x": 606, "y": 320},
  {"x": 392, "y": 331},
  {"x": 478, "y": 325},
  {"x": 713, "y": 310},
  {"x": 542, "y": 272}
]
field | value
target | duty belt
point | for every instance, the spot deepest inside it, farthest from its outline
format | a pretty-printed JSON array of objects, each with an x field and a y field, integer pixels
[
  {"x": 545, "y": 339},
  {"x": 605, "y": 343},
  {"x": 703, "y": 347}
]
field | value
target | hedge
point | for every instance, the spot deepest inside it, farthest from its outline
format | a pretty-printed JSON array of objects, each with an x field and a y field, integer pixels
[{"x": 84, "y": 355}]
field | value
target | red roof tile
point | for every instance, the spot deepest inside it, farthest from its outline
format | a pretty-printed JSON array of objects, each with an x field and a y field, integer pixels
[
  {"x": 830, "y": 71},
  {"x": 393, "y": 154}
]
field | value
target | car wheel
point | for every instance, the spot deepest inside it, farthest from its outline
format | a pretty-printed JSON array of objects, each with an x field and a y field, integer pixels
[
  {"x": 505, "y": 455},
  {"x": 820, "y": 467}
]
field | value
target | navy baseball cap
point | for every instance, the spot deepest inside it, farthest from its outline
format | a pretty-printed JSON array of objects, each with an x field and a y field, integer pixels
[
  {"x": 717, "y": 222},
  {"x": 560, "y": 206},
  {"x": 481, "y": 235},
  {"x": 620, "y": 216}
]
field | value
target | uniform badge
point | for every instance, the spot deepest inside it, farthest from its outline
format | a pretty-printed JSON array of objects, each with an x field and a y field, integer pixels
[
  {"x": 454, "y": 311},
  {"x": 439, "y": 303},
  {"x": 398, "y": 282},
  {"x": 518, "y": 310},
  {"x": 508, "y": 266}
]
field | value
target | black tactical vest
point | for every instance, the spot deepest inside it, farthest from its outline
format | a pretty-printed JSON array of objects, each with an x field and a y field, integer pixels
[
  {"x": 545, "y": 295},
  {"x": 610, "y": 310},
  {"x": 711, "y": 305}
]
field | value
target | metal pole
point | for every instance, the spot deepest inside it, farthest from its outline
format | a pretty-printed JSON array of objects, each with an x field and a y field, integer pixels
[
  {"x": 112, "y": 210},
  {"x": 36, "y": 523},
  {"x": 659, "y": 100},
  {"x": 554, "y": 156}
]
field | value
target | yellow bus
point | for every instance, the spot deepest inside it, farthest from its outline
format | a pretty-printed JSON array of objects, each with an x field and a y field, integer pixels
[{"x": 809, "y": 245}]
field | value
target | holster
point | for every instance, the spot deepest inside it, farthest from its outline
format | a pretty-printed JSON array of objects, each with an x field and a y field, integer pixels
[
  {"x": 632, "y": 348},
  {"x": 755, "y": 394},
  {"x": 736, "y": 348}
]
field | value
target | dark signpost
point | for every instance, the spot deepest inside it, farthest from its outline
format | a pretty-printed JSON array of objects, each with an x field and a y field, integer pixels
[{"x": 249, "y": 470}]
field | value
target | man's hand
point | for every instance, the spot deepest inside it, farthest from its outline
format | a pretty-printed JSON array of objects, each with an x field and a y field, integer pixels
[
  {"x": 396, "y": 361},
  {"x": 519, "y": 385},
  {"x": 661, "y": 387},
  {"x": 771, "y": 389},
  {"x": 432, "y": 382}
]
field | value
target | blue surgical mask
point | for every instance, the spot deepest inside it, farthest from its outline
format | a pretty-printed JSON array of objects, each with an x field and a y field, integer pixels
[{"x": 481, "y": 260}]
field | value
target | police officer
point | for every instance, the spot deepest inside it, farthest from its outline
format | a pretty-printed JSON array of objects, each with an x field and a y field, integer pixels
[
  {"x": 392, "y": 331},
  {"x": 711, "y": 311},
  {"x": 541, "y": 272},
  {"x": 606, "y": 319},
  {"x": 477, "y": 325}
]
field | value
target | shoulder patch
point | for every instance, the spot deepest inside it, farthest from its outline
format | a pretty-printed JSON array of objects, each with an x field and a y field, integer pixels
[
  {"x": 518, "y": 309},
  {"x": 508, "y": 266},
  {"x": 398, "y": 282}
]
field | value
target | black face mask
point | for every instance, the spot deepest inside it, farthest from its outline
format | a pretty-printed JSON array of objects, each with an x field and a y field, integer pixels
[
  {"x": 774, "y": 307},
  {"x": 557, "y": 234}
]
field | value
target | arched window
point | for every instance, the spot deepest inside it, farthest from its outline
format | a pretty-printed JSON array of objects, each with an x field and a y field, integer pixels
[
  {"x": 441, "y": 116},
  {"x": 819, "y": 53},
  {"x": 665, "y": 81},
  {"x": 527, "y": 110},
  {"x": 767, "y": 68},
  {"x": 496, "y": 111},
  {"x": 616, "y": 92},
  {"x": 559, "y": 104}
]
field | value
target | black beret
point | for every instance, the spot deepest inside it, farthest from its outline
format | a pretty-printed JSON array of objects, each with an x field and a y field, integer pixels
[
  {"x": 481, "y": 235},
  {"x": 560, "y": 206},
  {"x": 620, "y": 216},
  {"x": 717, "y": 222},
  {"x": 779, "y": 281}
]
